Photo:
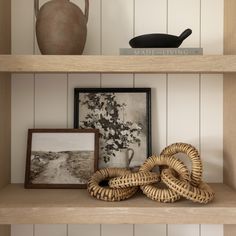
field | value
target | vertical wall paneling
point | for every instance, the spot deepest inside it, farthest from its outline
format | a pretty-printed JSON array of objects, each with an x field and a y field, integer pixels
[
  {"x": 50, "y": 100},
  {"x": 117, "y": 230},
  {"x": 22, "y": 26},
  {"x": 50, "y": 230},
  {"x": 212, "y": 230},
  {"x": 150, "y": 230},
  {"x": 79, "y": 81},
  {"x": 117, "y": 25},
  {"x": 183, "y": 230},
  {"x": 183, "y": 102},
  {"x": 158, "y": 84},
  {"x": 183, "y": 90},
  {"x": 84, "y": 230},
  {"x": 22, "y": 230},
  {"x": 211, "y": 113},
  {"x": 22, "y": 105},
  {"x": 117, "y": 80},
  {"x": 212, "y": 26},
  {"x": 183, "y": 14},
  {"x": 150, "y": 16},
  {"x": 212, "y": 127},
  {"x": 212, "y": 93}
]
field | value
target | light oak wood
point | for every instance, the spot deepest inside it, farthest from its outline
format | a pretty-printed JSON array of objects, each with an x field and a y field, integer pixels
[
  {"x": 77, "y": 207},
  {"x": 229, "y": 129},
  {"x": 118, "y": 64},
  {"x": 5, "y": 27},
  {"x": 5, "y": 129},
  {"x": 5, "y": 102},
  {"x": 229, "y": 230},
  {"x": 229, "y": 104},
  {"x": 5, "y": 230}
]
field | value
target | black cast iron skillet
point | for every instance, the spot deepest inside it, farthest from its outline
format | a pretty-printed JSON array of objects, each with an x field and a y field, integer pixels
[{"x": 159, "y": 40}]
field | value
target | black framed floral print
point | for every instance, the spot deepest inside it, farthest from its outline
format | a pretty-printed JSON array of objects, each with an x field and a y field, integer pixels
[{"x": 123, "y": 118}]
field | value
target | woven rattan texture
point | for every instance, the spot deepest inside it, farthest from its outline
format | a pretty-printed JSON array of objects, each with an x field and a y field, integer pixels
[{"x": 175, "y": 176}]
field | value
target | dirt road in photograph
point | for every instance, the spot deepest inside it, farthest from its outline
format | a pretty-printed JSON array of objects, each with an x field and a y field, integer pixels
[{"x": 56, "y": 172}]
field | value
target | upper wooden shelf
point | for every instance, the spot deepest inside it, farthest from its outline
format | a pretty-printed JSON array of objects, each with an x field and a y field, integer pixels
[
  {"x": 21, "y": 206},
  {"x": 117, "y": 64}
]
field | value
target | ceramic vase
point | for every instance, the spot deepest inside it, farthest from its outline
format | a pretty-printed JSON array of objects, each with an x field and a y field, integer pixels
[{"x": 61, "y": 27}]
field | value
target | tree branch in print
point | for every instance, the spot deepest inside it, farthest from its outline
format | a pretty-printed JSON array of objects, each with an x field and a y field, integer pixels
[{"x": 107, "y": 114}]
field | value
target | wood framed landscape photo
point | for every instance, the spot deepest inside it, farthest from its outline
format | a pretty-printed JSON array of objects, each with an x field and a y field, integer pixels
[
  {"x": 61, "y": 158},
  {"x": 123, "y": 118}
]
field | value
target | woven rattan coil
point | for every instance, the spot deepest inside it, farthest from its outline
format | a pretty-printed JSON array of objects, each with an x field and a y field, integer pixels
[
  {"x": 134, "y": 179},
  {"x": 159, "y": 194},
  {"x": 193, "y": 154},
  {"x": 106, "y": 193},
  {"x": 201, "y": 194}
]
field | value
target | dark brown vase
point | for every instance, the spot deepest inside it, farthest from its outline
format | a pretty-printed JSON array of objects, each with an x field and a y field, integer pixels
[{"x": 61, "y": 27}]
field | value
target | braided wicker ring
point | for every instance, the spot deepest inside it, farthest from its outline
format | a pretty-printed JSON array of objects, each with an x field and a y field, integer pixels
[
  {"x": 106, "y": 193},
  {"x": 201, "y": 194},
  {"x": 156, "y": 193},
  {"x": 134, "y": 179},
  {"x": 192, "y": 153}
]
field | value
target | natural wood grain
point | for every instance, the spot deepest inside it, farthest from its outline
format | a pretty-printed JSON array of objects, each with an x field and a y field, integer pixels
[
  {"x": 118, "y": 64},
  {"x": 229, "y": 97},
  {"x": 229, "y": 104},
  {"x": 5, "y": 95},
  {"x": 5, "y": 230},
  {"x": 229, "y": 27},
  {"x": 229, "y": 230},
  {"x": 5, "y": 27},
  {"x": 5, "y": 102},
  {"x": 5, "y": 128},
  {"x": 229, "y": 129},
  {"x": 77, "y": 207}
]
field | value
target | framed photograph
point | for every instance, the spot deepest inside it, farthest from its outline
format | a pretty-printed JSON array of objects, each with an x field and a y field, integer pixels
[
  {"x": 123, "y": 118},
  {"x": 61, "y": 158}
]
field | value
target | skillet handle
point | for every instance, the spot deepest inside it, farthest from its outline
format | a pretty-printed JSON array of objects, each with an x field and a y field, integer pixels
[{"x": 185, "y": 34}]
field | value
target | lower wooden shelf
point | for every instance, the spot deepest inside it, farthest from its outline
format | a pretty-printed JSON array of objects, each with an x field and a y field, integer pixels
[{"x": 21, "y": 206}]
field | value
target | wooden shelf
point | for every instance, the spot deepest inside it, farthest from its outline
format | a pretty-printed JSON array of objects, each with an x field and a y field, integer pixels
[
  {"x": 21, "y": 206},
  {"x": 117, "y": 64}
]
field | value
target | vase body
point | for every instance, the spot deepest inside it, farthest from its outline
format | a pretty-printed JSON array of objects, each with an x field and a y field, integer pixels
[
  {"x": 122, "y": 159},
  {"x": 61, "y": 28}
]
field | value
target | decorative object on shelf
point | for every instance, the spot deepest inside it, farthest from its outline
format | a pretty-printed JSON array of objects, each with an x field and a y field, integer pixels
[
  {"x": 178, "y": 181},
  {"x": 61, "y": 158},
  {"x": 122, "y": 115},
  {"x": 61, "y": 27},
  {"x": 163, "y": 194},
  {"x": 159, "y": 40},
  {"x": 106, "y": 193},
  {"x": 161, "y": 51},
  {"x": 134, "y": 179},
  {"x": 192, "y": 153}
]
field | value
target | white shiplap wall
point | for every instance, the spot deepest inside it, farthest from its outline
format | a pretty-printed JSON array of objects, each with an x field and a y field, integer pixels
[{"x": 184, "y": 107}]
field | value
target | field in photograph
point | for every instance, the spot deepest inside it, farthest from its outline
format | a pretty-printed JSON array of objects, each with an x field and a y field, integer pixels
[{"x": 67, "y": 167}]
